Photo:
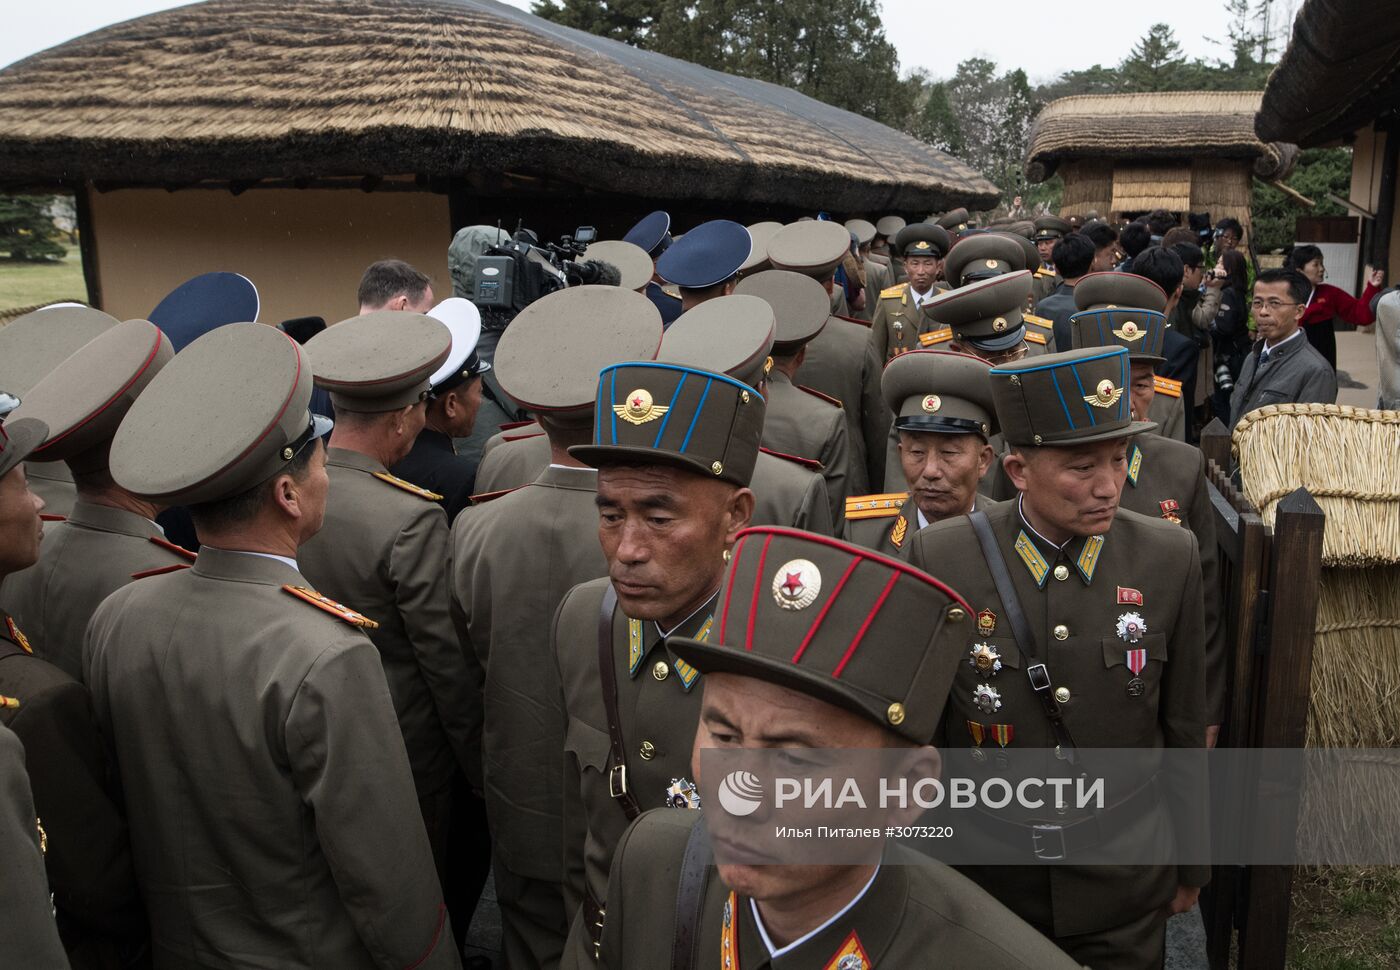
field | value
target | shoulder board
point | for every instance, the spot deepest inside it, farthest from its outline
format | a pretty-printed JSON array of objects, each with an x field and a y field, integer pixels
[
  {"x": 892, "y": 291},
  {"x": 671, "y": 290},
  {"x": 8, "y": 703},
  {"x": 512, "y": 425},
  {"x": 338, "y": 610},
  {"x": 1036, "y": 321},
  {"x": 169, "y": 546},
  {"x": 834, "y": 402},
  {"x": 884, "y": 506},
  {"x": 863, "y": 323},
  {"x": 409, "y": 487},
  {"x": 935, "y": 337},
  {"x": 1044, "y": 273},
  {"x": 488, "y": 496},
  {"x": 1167, "y": 386},
  {"x": 811, "y": 463},
  {"x": 174, "y": 567},
  {"x": 520, "y": 437},
  {"x": 1036, "y": 338},
  {"x": 52, "y": 517}
]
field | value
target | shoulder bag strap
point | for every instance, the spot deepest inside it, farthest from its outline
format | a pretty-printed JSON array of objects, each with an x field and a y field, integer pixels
[
  {"x": 607, "y": 671},
  {"x": 690, "y": 898}
]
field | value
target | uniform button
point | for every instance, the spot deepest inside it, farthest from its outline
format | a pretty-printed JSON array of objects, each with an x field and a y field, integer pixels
[
  {"x": 1061, "y": 632},
  {"x": 648, "y": 751},
  {"x": 1062, "y": 694},
  {"x": 1062, "y": 572},
  {"x": 661, "y": 670}
]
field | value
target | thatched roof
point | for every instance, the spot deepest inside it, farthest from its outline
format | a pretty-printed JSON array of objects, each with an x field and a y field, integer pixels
[
  {"x": 1165, "y": 126},
  {"x": 250, "y": 89},
  {"x": 1340, "y": 72}
]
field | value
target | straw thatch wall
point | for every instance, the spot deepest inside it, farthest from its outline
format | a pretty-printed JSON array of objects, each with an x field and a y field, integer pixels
[
  {"x": 1088, "y": 186},
  {"x": 1110, "y": 188},
  {"x": 289, "y": 89}
]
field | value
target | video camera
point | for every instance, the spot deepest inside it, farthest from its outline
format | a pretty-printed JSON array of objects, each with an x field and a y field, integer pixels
[{"x": 511, "y": 276}]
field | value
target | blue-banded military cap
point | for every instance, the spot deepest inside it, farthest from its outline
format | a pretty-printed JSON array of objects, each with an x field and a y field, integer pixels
[
  {"x": 652, "y": 233},
  {"x": 1073, "y": 398},
  {"x": 1121, "y": 309},
  {"x": 205, "y": 303},
  {"x": 651, "y": 413},
  {"x": 708, "y": 255}
]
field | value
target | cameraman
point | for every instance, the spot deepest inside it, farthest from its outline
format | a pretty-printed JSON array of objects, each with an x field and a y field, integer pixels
[
  {"x": 1195, "y": 312},
  {"x": 1230, "y": 329}
]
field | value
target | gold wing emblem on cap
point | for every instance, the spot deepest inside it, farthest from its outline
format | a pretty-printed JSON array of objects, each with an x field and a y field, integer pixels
[
  {"x": 639, "y": 408},
  {"x": 1130, "y": 331},
  {"x": 1105, "y": 395}
]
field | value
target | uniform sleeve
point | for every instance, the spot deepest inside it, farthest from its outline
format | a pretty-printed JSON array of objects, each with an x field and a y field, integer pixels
[
  {"x": 574, "y": 830},
  {"x": 879, "y": 331},
  {"x": 348, "y": 761},
  {"x": 815, "y": 512},
  {"x": 28, "y": 933},
  {"x": 835, "y": 457},
  {"x": 418, "y": 567},
  {"x": 464, "y": 610},
  {"x": 1202, "y": 526},
  {"x": 875, "y": 420}
]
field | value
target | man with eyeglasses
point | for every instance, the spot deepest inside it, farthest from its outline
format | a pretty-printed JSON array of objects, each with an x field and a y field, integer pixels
[{"x": 1283, "y": 368}]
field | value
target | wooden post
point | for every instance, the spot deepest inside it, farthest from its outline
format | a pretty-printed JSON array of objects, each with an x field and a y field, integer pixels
[{"x": 1215, "y": 442}]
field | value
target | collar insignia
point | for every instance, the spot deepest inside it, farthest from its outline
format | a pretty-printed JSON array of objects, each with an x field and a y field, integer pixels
[
  {"x": 1134, "y": 466},
  {"x": 1030, "y": 555}
]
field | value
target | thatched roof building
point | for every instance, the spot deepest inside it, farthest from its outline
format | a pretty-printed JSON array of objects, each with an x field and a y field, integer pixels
[{"x": 1123, "y": 154}]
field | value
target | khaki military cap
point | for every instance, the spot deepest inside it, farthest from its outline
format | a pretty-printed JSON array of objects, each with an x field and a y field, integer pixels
[
  {"x": 813, "y": 248},
  {"x": 954, "y": 221},
  {"x": 650, "y": 413},
  {"x": 549, "y": 357},
  {"x": 1109, "y": 290},
  {"x": 839, "y": 623},
  {"x": 380, "y": 361},
  {"x": 1051, "y": 227},
  {"x": 889, "y": 226},
  {"x": 940, "y": 392},
  {"x": 226, "y": 414},
  {"x": 729, "y": 335},
  {"x": 84, "y": 399},
  {"x": 863, "y": 228},
  {"x": 1030, "y": 256},
  {"x": 17, "y": 439},
  {"x": 632, "y": 261},
  {"x": 36, "y": 343},
  {"x": 1120, "y": 309},
  {"x": 981, "y": 257},
  {"x": 987, "y": 312},
  {"x": 799, "y": 302},
  {"x": 1070, "y": 398},
  {"x": 762, "y": 234},
  {"x": 923, "y": 239},
  {"x": 1022, "y": 227}
]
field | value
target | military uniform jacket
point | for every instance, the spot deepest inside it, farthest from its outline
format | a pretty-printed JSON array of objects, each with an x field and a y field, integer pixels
[
  {"x": 52, "y": 482},
  {"x": 898, "y": 323},
  {"x": 28, "y": 936},
  {"x": 788, "y": 492},
  {"x": 886, "y": 523},
  {"x": 916, "y": 913},
  {"x": 659, "y": 708},
  {"x": 1168, "y": 410},
  {"x": 516, "y": 459},
  {"x": 800, "y": 423},
  {"x": 514, "y": 559},
  {"x": 1044, "y": 283},
  {"x": 89, "y": 857},
  {"x": 384, "y": 551},
  {"x": 82, "y": 561},
  {"x": 1075, "y": 599},
  {"x": 434, "y": 464},
  {"x": 877, "y": 280},
  {"x": 841, "y": 364},
  {"x": 256, "y": 741}
]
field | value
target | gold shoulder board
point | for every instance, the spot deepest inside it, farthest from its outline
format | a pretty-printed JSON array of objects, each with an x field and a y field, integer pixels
[
  {"x": 935, "y": 337},
  {"x": 892, "y": 291},
  {"x": 337, "y": 610},
  {"x": 1036, "y": 338},
  {"x": 1167, "y": 386},
  {"x": 409, "y": 487},
  {"x": 884, "y": 506}
]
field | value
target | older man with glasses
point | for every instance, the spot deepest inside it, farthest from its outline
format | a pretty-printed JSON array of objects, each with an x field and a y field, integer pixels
[{"x": 1283, "y": 368}]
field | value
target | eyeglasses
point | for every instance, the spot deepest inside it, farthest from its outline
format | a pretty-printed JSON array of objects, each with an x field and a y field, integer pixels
[{"x": 1273, "y": 305}]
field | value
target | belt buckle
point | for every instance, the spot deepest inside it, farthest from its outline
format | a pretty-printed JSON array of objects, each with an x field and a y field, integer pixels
[
  {"x": 1051, "y": 853},
  {"x": 1039, "y": 677},
  {"x": 617, "y": 781}
]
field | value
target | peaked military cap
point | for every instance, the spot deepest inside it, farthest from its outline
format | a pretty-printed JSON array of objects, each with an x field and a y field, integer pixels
[
  {"x": 651, "y": 234},
  {"x": 632, "y": 262},
  {"x": 17, "y": 439},
  {"x": 762, "y": 234},
  {"x": 549, "y": 357},
  {"x": 833, "y": 621},
  {"x": 1051, "y": 227},
  {"x": 981, "y": 257},
  {"x": 1030, "y": 256},
  {"x": 813, "y": 248},
  {"x": 923, "y": 239},
  {"x": 1123, "y": 310},
  {"x": 205, "y": 303},
  {"x": 650, "y": 413},
  {"x": 463, "y": 321},
  {"x": 708, "y": 255},
  {"x": 36, "y": 343},
  {"x": 380, "y": 361},
  {"x": 889, "y": 226},
  {"x": 863, "y": 228},
  {"x": 954, "y": 221},
  {"x": 227, "y": 413},
  {"x": 940, "y": 392},
  {"x": 1021, "y": 227},
  {"x": 730, "y": 335},
  {"x": 84, "y": 399},
  {"x": 1070, "y": 398},
  {"x": 987, "y": 312},
  {"x": 799, "y": 302}
]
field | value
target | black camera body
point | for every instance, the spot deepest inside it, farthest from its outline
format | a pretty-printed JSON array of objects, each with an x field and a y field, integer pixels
[{"x": 511, "y": 276}]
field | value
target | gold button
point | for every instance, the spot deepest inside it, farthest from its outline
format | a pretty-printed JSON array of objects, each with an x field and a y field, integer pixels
[
  {"x": 1061, "y": 632},
  {"x": 1062, "y": 694},
  {"x": 661, "y": 670},
  {"x": 956, "y": 615},
  {"x": 896, "y": 713},
  {"x": 1062, "y": 572},
  {"x": 648, "y": 751},
  {"x": 744, "y": 397},
  {"x": 717, "y": 467}
]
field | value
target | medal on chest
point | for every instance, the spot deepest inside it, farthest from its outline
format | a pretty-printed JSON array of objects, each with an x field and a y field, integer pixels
[{"x": 1136, "y": 660}]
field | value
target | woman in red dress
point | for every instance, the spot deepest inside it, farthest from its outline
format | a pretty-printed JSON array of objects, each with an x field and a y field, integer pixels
[{"x": 1328, "y": 302}]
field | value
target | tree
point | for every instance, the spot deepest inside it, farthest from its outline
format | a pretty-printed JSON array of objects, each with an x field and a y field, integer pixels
[
  {"x": 1155, "y": 63},
  {"x": 27, "y": 231}
]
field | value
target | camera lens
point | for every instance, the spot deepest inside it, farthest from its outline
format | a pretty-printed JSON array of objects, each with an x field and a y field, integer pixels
[{"x": 1223, "y": 380}]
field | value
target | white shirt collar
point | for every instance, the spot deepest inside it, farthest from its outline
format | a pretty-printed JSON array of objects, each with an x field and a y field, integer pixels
[
  {"x": 1021, "y": 511},
  {"x": 266, "y": 555},
  {"x": 1271, "y": 349},
  {"x": 775, "y": 952},
  {"x": 666, "y": 633},
  {"x": 923, "y": 522}
]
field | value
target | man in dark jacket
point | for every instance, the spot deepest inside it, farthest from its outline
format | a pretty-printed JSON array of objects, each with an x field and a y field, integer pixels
[{"x": 1282, "y": 368}]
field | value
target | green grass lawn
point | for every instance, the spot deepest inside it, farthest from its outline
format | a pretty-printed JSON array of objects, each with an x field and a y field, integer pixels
[
  {"x": 25, "y": 284},
  {"x": 1345, "y": 918}
]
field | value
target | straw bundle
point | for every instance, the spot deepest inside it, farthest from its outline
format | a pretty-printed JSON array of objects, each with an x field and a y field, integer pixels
[
  {"x": 1356, "y": 660},
  {"x": 1139, "y": 188},
  {"x": 1348, "y": 458}
]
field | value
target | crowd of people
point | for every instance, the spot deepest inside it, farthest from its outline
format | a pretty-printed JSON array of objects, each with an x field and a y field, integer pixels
[{"x": 452, "y": 603}]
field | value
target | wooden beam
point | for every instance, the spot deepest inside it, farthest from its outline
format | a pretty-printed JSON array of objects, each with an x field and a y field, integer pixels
[
  {"x": 1292, "y": 193},
  {"x": 87, "y": 245}
]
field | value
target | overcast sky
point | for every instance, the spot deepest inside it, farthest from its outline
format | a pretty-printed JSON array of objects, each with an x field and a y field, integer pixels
[{"x": 932, "y": 34}]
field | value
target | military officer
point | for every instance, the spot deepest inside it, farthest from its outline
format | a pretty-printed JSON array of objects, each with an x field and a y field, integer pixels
[
  {"x": 252, "y": 728},
  {"x": 675, "y": 448},
  {"x": 1166, "y": 478},
  {"x": 1048, "y": 231},
  {"x": 548, "y": 360},
  {"x": 110, "y": 537},
  {"x": 886, "y": 228},
  {"x": 706, "y": 261},
  {"x": 944, "y": 417},
  {"x": 982, "y": 256},
  {"x": 634, "y": 267},
  {"x": 652, "y": 234},
  {"x": 1052, "y": 577},
  {"x": 759, "y": 233},
  {"x": 30, "y": 347},
  {"x": 512, "y": 458},
  {"x": 801, "y": 421},
  {"x": 839, "y": 362},
  {"x": 955, "y": 221},
  {"x": 1166, "y": 407},
  {"x": 734, "y": 335},
  {"x": 898, "y": 323},
  {"x": 384, "y": 550},
  {"x": 877, "y": 271},
  {"x": 768, "y": 673}
]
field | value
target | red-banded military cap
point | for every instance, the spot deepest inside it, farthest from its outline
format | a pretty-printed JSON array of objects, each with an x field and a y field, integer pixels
[
  {"x": 36, "y": 343},
  {"x": 379, "y": 361},
  {"x": 17, "y": 440}
]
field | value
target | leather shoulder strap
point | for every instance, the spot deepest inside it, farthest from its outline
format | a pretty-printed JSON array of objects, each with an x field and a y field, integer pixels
[
  {"x": 690, "y": 898},
  {"x": 607, "y": 670}
]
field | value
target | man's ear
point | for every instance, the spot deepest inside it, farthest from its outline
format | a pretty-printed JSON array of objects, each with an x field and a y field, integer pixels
[
  {"x": 984, "y": 460},
  {"x": 1016, "y": 464},
  {"x": 741, "y": 506}
]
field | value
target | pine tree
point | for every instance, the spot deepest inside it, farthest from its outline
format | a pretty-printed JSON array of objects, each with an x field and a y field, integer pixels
[
  {"x": 27, "y": 231},
  {"x": 1155, "y": 63}
]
